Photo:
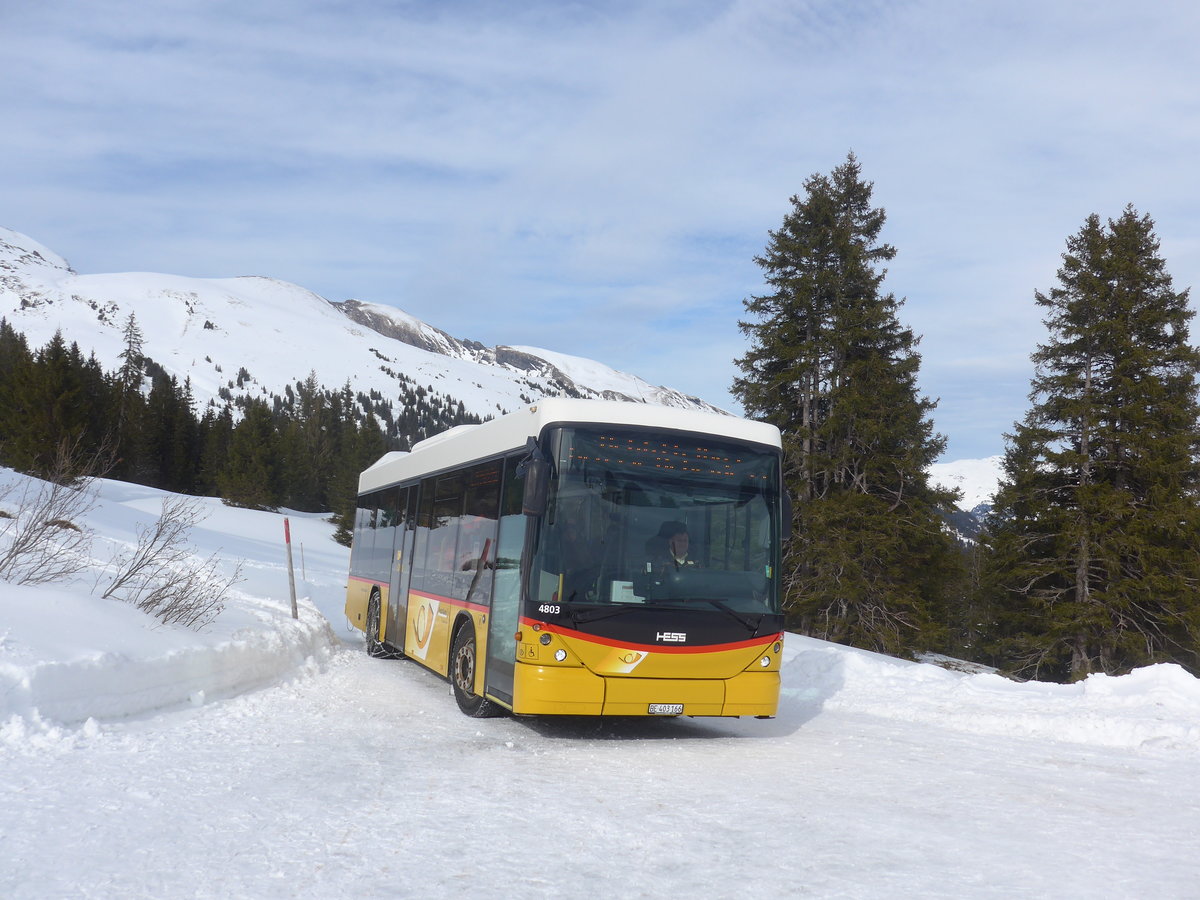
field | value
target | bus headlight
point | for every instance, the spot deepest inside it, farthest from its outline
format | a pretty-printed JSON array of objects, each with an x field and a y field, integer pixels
[
  {"x": 560, "y": 654},
  {"x": 765, "y": 661}
]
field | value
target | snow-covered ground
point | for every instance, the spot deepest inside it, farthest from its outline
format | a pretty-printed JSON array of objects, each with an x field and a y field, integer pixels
[{"x": 269, "y": 757}]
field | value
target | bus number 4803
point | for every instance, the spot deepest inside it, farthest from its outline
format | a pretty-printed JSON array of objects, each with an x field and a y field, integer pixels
[{"x": 548, "y": 608}]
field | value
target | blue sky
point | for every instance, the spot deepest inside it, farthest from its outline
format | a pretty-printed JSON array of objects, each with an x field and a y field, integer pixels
[{"x": 596, "y": 178}]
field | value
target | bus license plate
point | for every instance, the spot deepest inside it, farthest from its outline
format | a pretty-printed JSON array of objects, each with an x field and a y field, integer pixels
[{"x": 666, "y": 709}]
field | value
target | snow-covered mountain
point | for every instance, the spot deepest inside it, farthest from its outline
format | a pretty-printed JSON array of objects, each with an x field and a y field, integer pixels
[
  {"x": 257, "y": 335},
  {"x": 977, "y": 479}
]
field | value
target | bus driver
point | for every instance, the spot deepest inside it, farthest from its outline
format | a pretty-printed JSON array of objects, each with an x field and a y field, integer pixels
[{"x": 669, "y": 548}]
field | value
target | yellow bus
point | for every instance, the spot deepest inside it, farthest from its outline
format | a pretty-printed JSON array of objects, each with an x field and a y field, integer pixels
[{"x": 580, "y": 557}]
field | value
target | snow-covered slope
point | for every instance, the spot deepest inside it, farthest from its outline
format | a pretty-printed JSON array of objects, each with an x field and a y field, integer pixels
[
  {"x": 976, "y": 478},
  {"x": 211, "y": 329}
]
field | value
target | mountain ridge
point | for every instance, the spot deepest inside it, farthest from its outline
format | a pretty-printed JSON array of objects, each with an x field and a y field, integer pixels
[{"x": 273, "y": 334}]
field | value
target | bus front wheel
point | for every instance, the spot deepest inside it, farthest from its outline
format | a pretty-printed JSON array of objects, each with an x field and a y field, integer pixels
[
  {"x": 463, "y": 660},
  {"x": 374, "y": 617}
]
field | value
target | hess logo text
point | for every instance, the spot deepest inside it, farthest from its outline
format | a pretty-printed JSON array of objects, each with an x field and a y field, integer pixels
[{"x": 671, "y": 637}]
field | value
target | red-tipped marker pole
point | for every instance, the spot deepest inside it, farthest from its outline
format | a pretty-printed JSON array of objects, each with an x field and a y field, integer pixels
[{"x": 287, "y": 539}]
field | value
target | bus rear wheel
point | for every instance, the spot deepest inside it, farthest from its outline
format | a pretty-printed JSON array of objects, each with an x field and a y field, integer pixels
[
  {"x": 374, "y": 617},
  {"x": 463, "y": 659}
]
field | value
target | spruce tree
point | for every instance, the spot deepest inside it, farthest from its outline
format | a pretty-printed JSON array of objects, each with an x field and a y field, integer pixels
[
  {"x": 214, "y": 437},
  {"x": 251, "y": 474},
  {"x": 361, "y": 445},
  {"x": 129, "y": 376},
  {"x": 306, "y": 443},
  {"x": 1095, "y": 533},
  {"x": 16, "y": 366},
  {"x": 869, "y": 562},
  {"x": 55, "y": 401},
  {"x": 185, "y": 442},
  {"x": 169, "y": 442},
  {"x": 130, "y": 405}
]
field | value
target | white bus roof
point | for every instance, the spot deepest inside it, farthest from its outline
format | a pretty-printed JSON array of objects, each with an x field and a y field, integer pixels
[{"x": 467, "y": 443}]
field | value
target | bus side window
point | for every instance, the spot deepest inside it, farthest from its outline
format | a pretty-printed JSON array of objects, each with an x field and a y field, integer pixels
[
  {"x": 363, "y": 563},
  {"x": 359, "y": 546},
  {"x": 424, "y": 523},
  {"x": 442, "y": 563},
  {"x": 388, "y": 516},
  {"x": 477, "y": 533}
]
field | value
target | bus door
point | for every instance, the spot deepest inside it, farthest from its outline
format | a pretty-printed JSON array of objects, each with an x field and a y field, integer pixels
[
  {"x": 506, "y": 590},
  {"x": 401, "y": 568}
]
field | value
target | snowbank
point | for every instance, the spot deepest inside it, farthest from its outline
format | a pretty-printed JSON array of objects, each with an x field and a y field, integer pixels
[
  {"x": 67, "y": 655},
  {"x": 1153, "y": 707}
]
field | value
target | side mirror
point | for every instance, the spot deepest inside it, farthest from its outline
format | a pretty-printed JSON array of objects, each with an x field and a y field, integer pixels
[
  {"x": 537, "y": 485},
  {"x": 535, "y": 470}
]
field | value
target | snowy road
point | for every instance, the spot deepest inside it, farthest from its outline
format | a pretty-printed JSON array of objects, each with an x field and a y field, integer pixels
[{"x": 365, "y": 780}]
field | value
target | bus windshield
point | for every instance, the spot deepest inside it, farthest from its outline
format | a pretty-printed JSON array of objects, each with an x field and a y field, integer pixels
[{"x": 658, "y": 518}]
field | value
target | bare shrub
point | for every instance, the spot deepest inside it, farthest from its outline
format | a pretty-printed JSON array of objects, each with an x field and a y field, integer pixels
[
  {"x": 161, "y": 576},
  {"x": 44, "y": 544}
]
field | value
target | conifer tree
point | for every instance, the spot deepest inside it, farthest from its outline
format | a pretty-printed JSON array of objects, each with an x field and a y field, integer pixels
[
  {"x": 830, "y": 364},
  {"x": 251, "y": 475},
  {"x": 129, "y": 376},
  {"x": 214, "y": 437},
  {"x": 306, "y": 442},
  {"x": 130, "y": 404},
  {"x": 150, "y": 444},
  {"x": 361, "y": 447},
  {"x": 56, "y": 400},
  {"x": 1095, "y": 533},
  {"x": 169, "y": 442},
  {"x": 16, "y": 364},
  {"x": 185, "y": 444}
]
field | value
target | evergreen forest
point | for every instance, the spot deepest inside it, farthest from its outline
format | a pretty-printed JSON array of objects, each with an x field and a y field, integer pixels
[{"x": 303, "y": 450}]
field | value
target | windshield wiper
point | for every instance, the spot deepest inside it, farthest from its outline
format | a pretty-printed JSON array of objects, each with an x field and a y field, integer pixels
[
  {"x": 751, "y": 625},
  {"x": 604, "y": 612}
]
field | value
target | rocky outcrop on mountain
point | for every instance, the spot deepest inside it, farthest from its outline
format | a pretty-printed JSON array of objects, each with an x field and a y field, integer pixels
[
  {"x": 401, "y": 327},
  {"x": 526, "y": 363}
]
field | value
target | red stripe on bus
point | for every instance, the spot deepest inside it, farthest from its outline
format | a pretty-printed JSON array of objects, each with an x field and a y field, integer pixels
[
  {"x": 657, "y": 648},
  {"x": 461, "y": 604},
  {"x": 450, "y": 601}
]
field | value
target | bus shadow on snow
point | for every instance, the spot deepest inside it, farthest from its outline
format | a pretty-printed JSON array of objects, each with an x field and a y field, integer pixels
[
  {"x": 796, "y": 708},
  {"x": 616, "y": 728}
]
